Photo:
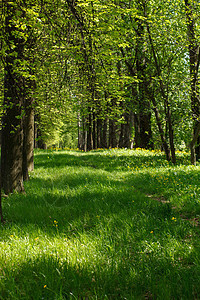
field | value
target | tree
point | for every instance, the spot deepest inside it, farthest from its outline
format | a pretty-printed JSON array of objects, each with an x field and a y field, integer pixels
[
  {"x": 194, "y": 56},
  {"x": 12, "y": 128},
  {"x": 19, "y": 35}
]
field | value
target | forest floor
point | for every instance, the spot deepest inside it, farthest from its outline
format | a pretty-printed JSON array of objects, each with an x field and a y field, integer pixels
[{"x": 107, "y": 224}]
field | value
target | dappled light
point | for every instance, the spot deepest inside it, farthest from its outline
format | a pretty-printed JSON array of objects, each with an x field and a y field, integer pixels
[
  {"x": 99, "y": 150},
  {"x": 98, "y": 225}
]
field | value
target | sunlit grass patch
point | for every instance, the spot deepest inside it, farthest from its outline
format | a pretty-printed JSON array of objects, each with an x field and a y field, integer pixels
[{"x": 108, "y": 224}]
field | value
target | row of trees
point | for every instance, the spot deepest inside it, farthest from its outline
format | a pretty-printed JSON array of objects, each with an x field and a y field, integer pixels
[
  {"x": 125, "y": 72},
  {"x": 142, "y": 60}
]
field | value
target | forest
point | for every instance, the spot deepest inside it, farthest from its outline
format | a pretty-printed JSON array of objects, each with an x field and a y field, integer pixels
[
  {"x": 109, "y": 91},
  {"x": 95, "y": 74}
]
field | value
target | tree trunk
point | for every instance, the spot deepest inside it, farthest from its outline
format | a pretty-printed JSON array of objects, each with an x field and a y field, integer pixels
[
  {"x": 99, "y": 133},
  {"x": 94, "y": 131},
  {"x": 79, "y": 133},
  {"x": 194, "y": 54},
  {"x": 1, "y": 211},
  {"x": 197, "y": 147},
  {"x": 112, "y": 134},
  {"x": 171, "y": 132},
  {"x": 121, "y": 136},
  {"x": 125, "y": 132},
  {"x": 12, "y": 129},
  {"x": 104, "y": 137},
  {"x": 12, "y": 144},
  {"x": 90, "y": 139},
  {"x": 137, "y": 131},
  {"x": 144, "y": 114},
  {"x": 192, "y": 144},
  {"x": 28, "y": 141},
  {"x": 164, "y": 96},
  {"x": 40, "y": 142},
  {"x": 85, "y": 140},
  {"x": 85, "y": 134},
  {"x": 128, "y": 129},
  {"x": 160, "y": 128},
  {"x": 145, "y": 131}
]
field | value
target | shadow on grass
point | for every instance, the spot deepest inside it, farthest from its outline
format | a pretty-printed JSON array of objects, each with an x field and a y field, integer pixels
[
  {"x": 76, "y": 200},
  {"x": 109, "y": 161},
  {"x": 156, "y": 178},
  {"x": 134, "y": 233},
  {"x": 79, "y": 202},
  {"x": 178, "y": 186},
  {"x": 48, "y": 278}
]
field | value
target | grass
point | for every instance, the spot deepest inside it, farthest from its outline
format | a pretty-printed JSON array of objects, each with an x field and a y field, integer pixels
[{"x": 108, "y": 224}]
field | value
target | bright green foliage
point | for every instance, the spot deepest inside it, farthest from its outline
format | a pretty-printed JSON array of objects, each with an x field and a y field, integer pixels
[
  {"x": 98, "y": 57},
  {"x": 85, "y": 57}
]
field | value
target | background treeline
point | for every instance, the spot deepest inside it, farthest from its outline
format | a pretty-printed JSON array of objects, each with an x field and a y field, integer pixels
[{"x": 97, "y": 74}]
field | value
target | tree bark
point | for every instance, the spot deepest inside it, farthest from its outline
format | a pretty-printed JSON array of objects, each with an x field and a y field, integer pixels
[
  {"x": 121, "y": 135},
  {"x": 28, "y": 141},
  {"x": 160, "y": 128},
  {"x": 128, "y": 129},
  {"x": 194, "y": 54},
  {"x": 1, "y": 211},
  {"x": 80, "y": 135},
  {"x": 94, "y": 131},
  {"x": 137, "y": 131},
  {"x": 99, "y": 133},
  {"x": 144, "y": 114},
  {"x": 192, "y": 144},
  {"x": 112, "y": 134},
  {"x": 12, "y": 129},
  {"x": 104, "y": 137},
  {"x": 90, "y": 139}
]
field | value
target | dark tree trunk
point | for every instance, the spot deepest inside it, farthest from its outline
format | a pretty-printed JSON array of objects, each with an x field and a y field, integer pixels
[
  {"x": 145, "y": 131},
  {"x": 194, "y": 54},
  {"x": 197, "y": 147},
  {"x": 112, "y": 134},
  {"x": 12, "y": 142},
  {"x": 40, "y": 142},
  {"x": 1, "y": 211},
  {"x": 80, "y": 133},
  {"x": 125, "y": 132},
  {"x": 85, "y": 134},
  {"x": 94, "y": 131},
  {"x": 128, "y": 128},
  {"x": 35, "y": 134},
  {"x": 193, "y": 142},
  {"x": 105, "y": 130},
  {"x": 144, "y": 114},
  {"x": 171, "y": 132},
  {"x": 160, "y": 128},
  {"x": 12, "y": 129},
  {"x": 85, "y": 140},
  {"x": 28, "y": 141},
  {"x": 99, "y": 133},
  {"x": 121, "y": 135},
  {"x": 89, "y": 139},
  {"x": 137, "y": 131}
]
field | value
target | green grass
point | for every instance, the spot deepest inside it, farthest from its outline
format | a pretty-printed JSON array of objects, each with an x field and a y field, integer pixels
[{"x": 112, "y": 224}]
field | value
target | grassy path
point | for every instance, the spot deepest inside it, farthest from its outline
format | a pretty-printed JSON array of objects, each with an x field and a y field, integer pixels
[{"x": 115, "y": 224}]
